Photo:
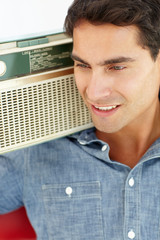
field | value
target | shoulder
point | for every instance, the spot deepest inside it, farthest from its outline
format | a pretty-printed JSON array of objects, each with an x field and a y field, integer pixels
[
  {"x": 11, "y": 160},
  {"x": 51, "y": 150}
]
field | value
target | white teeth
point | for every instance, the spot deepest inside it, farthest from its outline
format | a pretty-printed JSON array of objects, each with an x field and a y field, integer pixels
[{"x": 105, "y": 108}]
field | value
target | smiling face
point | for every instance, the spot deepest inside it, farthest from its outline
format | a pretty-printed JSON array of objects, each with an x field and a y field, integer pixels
[{"x": 117, "y": 78}]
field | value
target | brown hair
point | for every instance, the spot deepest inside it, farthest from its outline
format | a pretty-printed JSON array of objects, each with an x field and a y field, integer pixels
[{"x": 145, "y": 14}]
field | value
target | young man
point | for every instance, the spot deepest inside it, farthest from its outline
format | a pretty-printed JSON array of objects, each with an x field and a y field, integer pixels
[{"x": 102, "y": 183}]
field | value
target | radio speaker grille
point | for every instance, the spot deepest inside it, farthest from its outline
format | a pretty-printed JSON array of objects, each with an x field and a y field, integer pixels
[{"x": 41, "y": 111}]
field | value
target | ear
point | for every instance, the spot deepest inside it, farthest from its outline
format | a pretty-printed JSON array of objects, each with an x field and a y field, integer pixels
[{"x": 158, "y": 62}]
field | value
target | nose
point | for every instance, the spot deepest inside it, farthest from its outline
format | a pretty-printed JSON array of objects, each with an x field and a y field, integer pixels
[{"x": 99, "y": 86}]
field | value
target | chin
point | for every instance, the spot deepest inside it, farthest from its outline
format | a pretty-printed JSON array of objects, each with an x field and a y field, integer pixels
[{"x": 107, "y": 129}]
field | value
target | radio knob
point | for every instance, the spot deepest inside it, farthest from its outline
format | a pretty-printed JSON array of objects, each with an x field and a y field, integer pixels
[{"x": 3, "y": 68}]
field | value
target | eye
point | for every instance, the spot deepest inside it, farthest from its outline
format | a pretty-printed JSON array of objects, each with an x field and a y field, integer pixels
[
  {"x": 82, "y": 65},
  {"x": 117, "y": 68}
]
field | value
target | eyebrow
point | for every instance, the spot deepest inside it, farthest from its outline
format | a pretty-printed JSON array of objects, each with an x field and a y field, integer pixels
[{"x": 105, "y": 62}]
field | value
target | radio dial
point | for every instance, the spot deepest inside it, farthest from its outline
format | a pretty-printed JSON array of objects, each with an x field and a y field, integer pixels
[{"x": 3, "y": 68}]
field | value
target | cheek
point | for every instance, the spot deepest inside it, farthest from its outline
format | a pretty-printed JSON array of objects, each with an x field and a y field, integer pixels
[
  {"x": 140, "y": 87},
  {"x": 150, "y": 84}
]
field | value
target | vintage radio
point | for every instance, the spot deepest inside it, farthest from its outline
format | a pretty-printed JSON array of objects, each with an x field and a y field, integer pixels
[{"x": 39, "y": 100}]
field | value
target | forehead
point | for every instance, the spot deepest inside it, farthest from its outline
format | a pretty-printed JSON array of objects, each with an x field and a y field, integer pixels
[{"x": 105, "y": 39}]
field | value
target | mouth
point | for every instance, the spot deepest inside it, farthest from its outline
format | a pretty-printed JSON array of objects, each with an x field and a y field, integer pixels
[
  {"x": 105, "y": 111},
  {"x": 108, "y": 108}
]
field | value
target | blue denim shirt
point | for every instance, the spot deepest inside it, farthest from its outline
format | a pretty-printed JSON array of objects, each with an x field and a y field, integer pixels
[{"x": 72, "y": 190}]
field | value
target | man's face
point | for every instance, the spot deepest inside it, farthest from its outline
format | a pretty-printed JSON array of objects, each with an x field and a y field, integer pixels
[{"x": 117, "y": 78}]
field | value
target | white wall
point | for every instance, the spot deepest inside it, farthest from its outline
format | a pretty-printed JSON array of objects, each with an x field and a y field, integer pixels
[{"x": 29, "y": 18}]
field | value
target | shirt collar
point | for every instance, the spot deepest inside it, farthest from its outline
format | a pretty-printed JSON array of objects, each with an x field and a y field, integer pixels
[
  {"x": 88, "y": 137},
  {"x": 152, "y": 152}
]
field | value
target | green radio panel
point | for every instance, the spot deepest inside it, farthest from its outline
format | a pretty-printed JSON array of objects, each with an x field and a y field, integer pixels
[{"x": 38, "y": 60}]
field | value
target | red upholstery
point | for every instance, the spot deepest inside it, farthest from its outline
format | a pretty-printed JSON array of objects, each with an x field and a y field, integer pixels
[{"x": 16, "y": 226}]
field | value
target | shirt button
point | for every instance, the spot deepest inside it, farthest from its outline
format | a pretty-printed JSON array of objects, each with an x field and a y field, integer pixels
[
  {"x": 82, "y": 142},
  {"x": 131, "y": 182},
  {"x": 104, "y": 148},
  {"x": 131, "y": 234},
  {"x": 69, "y": 191}
]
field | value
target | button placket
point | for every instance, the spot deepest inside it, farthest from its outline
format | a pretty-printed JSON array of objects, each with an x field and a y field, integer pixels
[{"x": 132, "y": 202}]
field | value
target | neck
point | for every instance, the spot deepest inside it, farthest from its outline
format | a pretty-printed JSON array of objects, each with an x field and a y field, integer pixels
[{"x": 129, "y": 144}]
